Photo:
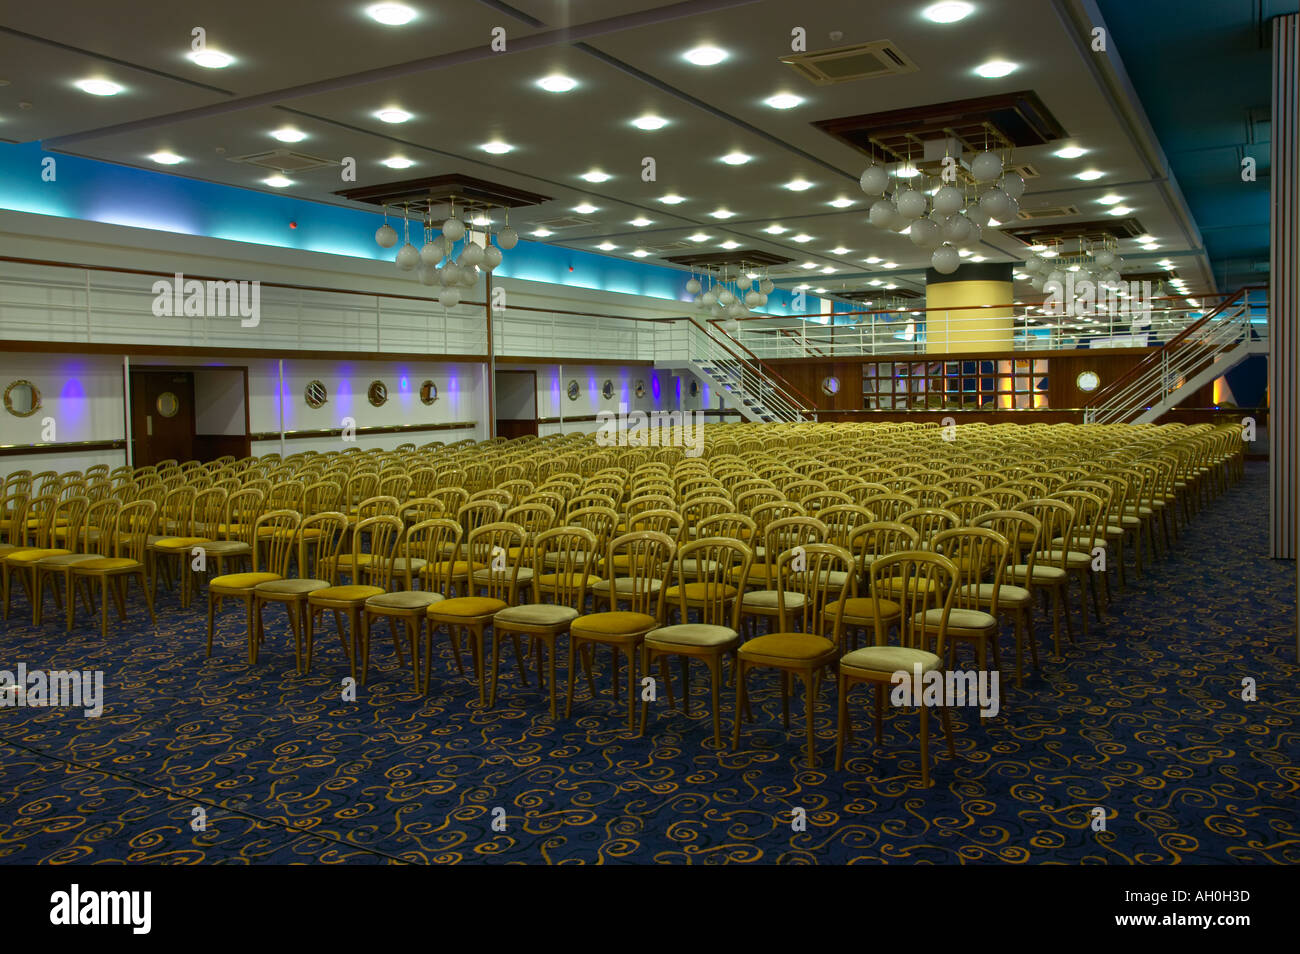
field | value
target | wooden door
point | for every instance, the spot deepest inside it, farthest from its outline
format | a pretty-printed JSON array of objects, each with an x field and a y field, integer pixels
[{"x": 162, "y": 416}]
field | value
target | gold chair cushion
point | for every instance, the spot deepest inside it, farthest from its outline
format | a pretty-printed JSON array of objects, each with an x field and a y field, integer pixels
[
  {"x": 1043, "y": 575},
  {"x": 792, "y": 646},
  {"x": 404, "y": 600},
  {"x": 102, "y": 564},
  {"x": 241, "y": 581},
  {"x": 26, "y": 557},
  {"x": 551, "y": 580},
  {"x": 443, "y": 567},
  {"x": 961, "y": 619},
  {"x": 485, "y": 576},
  {"x": 863, "y": 607},
  {"x": 66, "y": 559},
  {"x": 624, "y": 587},
  {"x": 177, "y": 543},
  {"x": 226, "y": 548},
  {"x": 767, "y": 600},
  {"x": 537, "y": 614},
  {"x": 890, "y": 659},
  {"x": 703, "y": 591},
  {"x": 354, "y": 593},
  {"x": 467, "y": 606},
  {"x": 618, "y": 623},
  {"x": 290, "y": 587},
  {"x": 1008, "y": 595},
  {"x": 403, "y": 563},
  {"x": 694, "y": 634}
]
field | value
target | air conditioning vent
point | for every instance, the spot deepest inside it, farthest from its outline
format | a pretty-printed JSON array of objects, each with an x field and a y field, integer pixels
[
  {"x": 1049, "y": 212},
  {"x": 668, "y": 247},
  {"x": 567, "y": 222},
  {"x": 284, "y": 160},
  {"x": 1026, "y": 171},
  {"x": 847, "y": 63}
]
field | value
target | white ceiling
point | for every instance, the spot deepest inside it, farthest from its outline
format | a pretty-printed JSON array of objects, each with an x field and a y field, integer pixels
[{"x": 557, "y": 137}]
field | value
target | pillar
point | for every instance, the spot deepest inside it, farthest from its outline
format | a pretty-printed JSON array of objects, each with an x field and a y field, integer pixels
[
  {"x": 1282, "y": 296},
  {"x": 956, "y": 319}
]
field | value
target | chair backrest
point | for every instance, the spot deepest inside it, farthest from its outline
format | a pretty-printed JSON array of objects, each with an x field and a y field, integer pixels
[
  {"x": 208, "y": 511},
  {"x": 488, "y": 548},
  {"x": 648, "y": 555},
  {"x": 1056, "y": 518},
  {"x": 478, "y": 513},
  {"x": 668, "y": 522},
  {"x": 978, "y": 553},
  {"x": 811, "y": 570},
  {"x": 717, "y": 584},
  {"x": 841, "y": 520},
  {"x": 433, "y": 540},
  {"x": 1089, "y": 514},
  {"x": 383, "y": 532},
  {"x": 276, "y": 534},
  {"x": 243, "y": 507},
  {"x": 890, "y": 506},
  {"x": 320, "y": 538},
  {"x": 877, "y": 539},
  {"x": 735, "y": 526},
  {"x": 918, "y": 581},
  {"x": 535, "y": 518},
  {"x": 927, "y": 521},
  {"x": 13, "y": 518},
  {"x": 573, "y": 555},
  {"x": 1022, "y": 532},
  {"x": 135, "y": 522},
  {"x": 969, "y": 508}
]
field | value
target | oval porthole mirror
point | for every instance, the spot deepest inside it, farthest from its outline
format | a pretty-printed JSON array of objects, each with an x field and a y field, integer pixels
[
  {"x": 607, "y": 389},
  {"x": 377, "y": 393},
  {"x": 22, "y": 399},
  {"x": 1087, "y": 380},
  {"x": 694, "y": 389},
  {"x": 428, "y": 392},
  {"x": 167, "y": 404},
  {"x": 315, "y": 394},
  {"x": 830, "y": 384},
  {"x": 640, "y": 389},
  {"x": 574, "y": 390}
]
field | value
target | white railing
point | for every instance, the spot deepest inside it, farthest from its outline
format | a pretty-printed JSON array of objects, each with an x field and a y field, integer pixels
[
  {"x": 1236, "y": 324},
  {"x": 743, "y": 378}
]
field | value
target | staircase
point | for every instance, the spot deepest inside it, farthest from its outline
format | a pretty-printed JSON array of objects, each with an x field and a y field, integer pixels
[
  {"x": 746, "y": 384},
  {"x": 1200, "y": 353}
]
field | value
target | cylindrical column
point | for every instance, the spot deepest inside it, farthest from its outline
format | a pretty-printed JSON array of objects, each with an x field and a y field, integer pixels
[
  {"x": 1284, "y": 244},
  {"x": 969, "y": 310}
]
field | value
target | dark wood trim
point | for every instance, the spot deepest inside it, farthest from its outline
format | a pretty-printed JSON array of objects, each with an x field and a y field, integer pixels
[
  {"x": 592, "y": 418},
  {"x": 571, "y": 362},
  {"x": 18, "y": 450},
  {"x": 956, "y": 356},
  {"x": 376, "y": 429},
  {"x": 83, "y": 347}
]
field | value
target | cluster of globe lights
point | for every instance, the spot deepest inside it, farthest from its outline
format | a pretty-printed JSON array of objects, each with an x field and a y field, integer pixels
[
  {"x": 731, "y": 299},
  {"x": 462, "y": 267},
  {"x": 944, "y": 218},
  {"x": 1099, "y": 264}
]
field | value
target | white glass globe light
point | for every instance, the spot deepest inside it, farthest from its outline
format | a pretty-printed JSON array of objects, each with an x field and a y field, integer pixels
[
  {"x": 753, "y": 299},
  {"x": 386, "y": 236},
  {"x": 1013, "y": 185},
  {"x": 725, "y": 297},
  {"x": 454, "y": 229},
  {"x": 986, "y": 167},
  {"x": 408, "y": 256},
  {"x": 693, "y": 286},
  {"x": 744, "y": 282},
  {"x": 974, "y": 236},
  {"x": 924, "y": 234},
  {"x": 881, "y": 214},
  {"x": 955, "y": 229},
  {"x": 449, "y": 297},
  {"x": 1057, "y": 276},
  {"x": 507, "y": 238},
  {"x": 945, "y": 260},
  {"x": 469, "y": 275},
  {"x": 1105, "y": 258},
  {"x": 996, "y": 204},
  {"x": 911, "y": 204},
  {"x": 471, "y": 254},
  {"x": 431, "y": 253},
  {"x": 428, "y": 274},
  {"x": 492, "y": 257},
  {"x": 874, "y": 180},
  {"x": 766, "y": 286},
  {"x": 450, "y": 274},
  {"x": 709, "y": 297},
  {"x": 949, "y": 200}
]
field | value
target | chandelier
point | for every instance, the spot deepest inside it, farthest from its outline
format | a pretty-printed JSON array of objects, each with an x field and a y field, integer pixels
[
  {"x": 723, "y": 294},
  {"x": 1097, "y": 262}
]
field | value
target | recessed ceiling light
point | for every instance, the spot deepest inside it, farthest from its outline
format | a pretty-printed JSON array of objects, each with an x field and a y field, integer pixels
[
  {"x": 994, "y": 69},
  {"x": 820, "y": 291},
  {"x": 497, "y": 147},
  {"x": 736, "y": 158},
  {"x": 607, "y": 246},
  {"x": 99, "y": 87},
  {"x": 798, "y": 185},
  {"x": 166, "y": 158},
  {"x": 1110, "y": 199},
  {"x": 891, "y": 264},
  {"x": 278, "y": 182},
  {"x": 393, "y": 115},
  {"x": 481, "y": 219},
  {"x": 640, "y": 253},
  {"x": 672, "y": 199},
  {"x": 907, "y": 171},
  {"x": 1038, "y": 248},
  {"x": 729, "y": 245},
  {"x": 809, "y": 264},
  {"x": 891, "y": 288},
  {"x": 802, "y": 287},
  {"x": 398, "y": 162},
  {"x": 1150, "y": 247},
  {"x": 841, "y": 203},
  {"x": 210, "y": 59},
  {"x": 288, "y": 134},
  {"x": 585, "y": 209},
  {"x": 783, "y": 101},
  {"x": 828, "y": 270},
  {"x": 641, "y": 221},
  {"x": 839, "y": 250},
  {"x": 977, "y": 258},
  {"x": 595, "y": 175},
  {"x": 390, "y": 14},
  {"x": 801, "y": 237},
  {"x": 1049, "y": 253},
  {"x": 650, "y": 123},
  {"x": 557, "y": 83},
  {"x": 1119, "y": 210},
  {"x": 542, "y": 233},
  {"x": 699, "y": 237},
  {"x": 722, "y": 213},
  {"x": 875, "y": 281},
  {"x": 873, "y": 260},
  {"x": 1070, "y": 152},
  {"x": 1088, "y": 175},
  {"x": 705, "y": 56},
  {"x": 963, "y": 252},
  {"x": 776, "y": 230},
  {"x": 950, "y": 11}
]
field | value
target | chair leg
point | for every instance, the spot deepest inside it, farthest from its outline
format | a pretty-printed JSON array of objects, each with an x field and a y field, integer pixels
[
  {"x": 741, "y": 702},
  {"x": 550, "y": 671},
  {"x": 841, "y": 719},
  {"x": 573, "y": 675},
  {"x": 810, "y": 706},
  {"x": 715, "y": 679},
  {"x": 946, "y": 718},
  {"x": 630, "y": 653},
  {"x": 496, "y": 666},
  {"x": 880, "y": 713},
  {"x": 103, "y": 618},
  {"x": 925, "y": 747},
  {"x": 785, "y": 698}
]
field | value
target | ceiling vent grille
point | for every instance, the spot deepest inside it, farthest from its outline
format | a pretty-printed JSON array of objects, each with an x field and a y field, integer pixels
[
  {"x": 567, "y": 222},
  {"x": 847, "y": 63},
  {"x": 1048, "y": 212},
  {"x": 668, "y": 246},
  {"x": 1026, "y": 171},
  {"x": 285, "y": 160}
]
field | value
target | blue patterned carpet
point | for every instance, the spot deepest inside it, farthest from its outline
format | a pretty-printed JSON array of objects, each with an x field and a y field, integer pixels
[{"x": 1144, "y": 719}]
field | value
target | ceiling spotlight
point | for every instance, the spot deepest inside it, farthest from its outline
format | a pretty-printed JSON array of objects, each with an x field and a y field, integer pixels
[
  {"x": 585, "y": 209},
  {"x": 875, "y": 281},
  {"x": 801, "y": 237},
  {"x": 399, "y": 162},
  {"x": 722, "y": 213},
  {"x": 595, "y": 175},
  {"x": 641, "y": 221},
  {"x": 891, "y": 265},
  {"x": 729, "y": 245},
  {"x": 390, "y": 14},
  {"x": 1040, "y": 247},
  {"x": 839, "y": 250},
  {"x": 557, "y": 83},
  {"x": 210, "y": 59},
  {"x": 1088, "y": 175},
  {"x": 809, "y": 264},
  {"x": 705, "y": 56},
  {"x": 607, "y": 246},
  {"x": 1119, "y": 210},
  {"x": 736, "y": 158},
  {"x": 650, "y": 123},
  {"x": 950, "y": 11},
  {"x": 497, "y": 147},
  {"x": 278, "y": 182},
  {"x": 828, "y": 270},
  {"x": 99, "y": 87},
  {"x": 672, "y": 199},
  {"x": 1070, "y": 152},
  {"x": 891, "y": 288},
  {"x": 1150, "y": 247},
  {"x": 873, "y": 260},
  {"x": 1110, "y": 199},
  {"x": 994, "y": 69},
  {"x": 798, "y": 185},
  {"x": 699, "y": 237},
  {"x": 776, "y": 230},
  {"x": 393, "y": 115},
  {"x": 166, "y": 158},
  {"x": 288, "y": 134},
  {"x": 542, "y": 233},
  {"x": 640, "y": 253},
  {"x": 783, "y": 101},
  {"x": 840, "y": 203},
  {"x": 907, "y": 171}
]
